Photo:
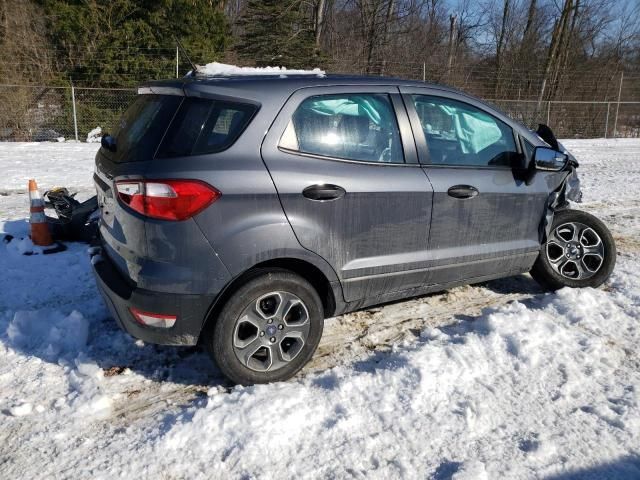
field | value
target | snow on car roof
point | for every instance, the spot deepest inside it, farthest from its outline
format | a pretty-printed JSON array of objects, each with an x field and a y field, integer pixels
[{"x": 216, "y": 69}]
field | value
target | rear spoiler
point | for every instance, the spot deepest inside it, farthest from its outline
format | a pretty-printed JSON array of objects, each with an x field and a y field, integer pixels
[{"x": 164, "y": 88}]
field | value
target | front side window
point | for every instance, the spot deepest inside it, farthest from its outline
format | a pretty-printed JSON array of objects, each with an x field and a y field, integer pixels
[
  {"x": 360, "y": 127},
  {"x": 460, "y": 134}
]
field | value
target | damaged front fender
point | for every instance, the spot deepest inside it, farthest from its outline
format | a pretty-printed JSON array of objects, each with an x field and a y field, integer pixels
[{"x": 569, "y": 190}]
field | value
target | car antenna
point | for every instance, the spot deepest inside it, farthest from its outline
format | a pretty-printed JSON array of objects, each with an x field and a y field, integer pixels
[{"x": 194, "y": 67}]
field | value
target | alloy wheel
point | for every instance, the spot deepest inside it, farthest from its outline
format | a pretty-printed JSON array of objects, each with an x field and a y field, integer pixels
[
  {"x": 575, "y": 251},
  {"x": 271, "y": 331}
]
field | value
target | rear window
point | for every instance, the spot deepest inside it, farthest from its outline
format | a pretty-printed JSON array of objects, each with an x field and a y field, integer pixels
[
  {"x": 185, "y": 126},
  {"x": 141, "y": 127},
  {"x": 205, "y": 126}
]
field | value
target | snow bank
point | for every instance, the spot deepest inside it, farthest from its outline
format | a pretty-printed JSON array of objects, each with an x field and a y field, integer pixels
[
  {"x": 48, "y": 332},
  {"x": 223, "y": 70},
  {"x": 88, "y": 399},
  {"x": 56, "y": 338},
  {"x": 521, "y": 391}
]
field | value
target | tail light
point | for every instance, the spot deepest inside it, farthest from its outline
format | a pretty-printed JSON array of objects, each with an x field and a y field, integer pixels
[
  {"x": 167, "y": 199},
  {"x": 153, "y": 319}
]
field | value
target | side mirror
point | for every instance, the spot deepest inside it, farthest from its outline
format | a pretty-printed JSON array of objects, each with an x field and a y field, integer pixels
[{"x": 549, "y": 159}]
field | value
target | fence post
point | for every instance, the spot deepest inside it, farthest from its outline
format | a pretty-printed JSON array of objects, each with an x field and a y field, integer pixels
[
  {"x": 606, "y": 122},
  {"x": 73, "y": 102},
  {"x": 548, "y": 112},
  {"x": 424, "y": 71},
  {"x": 177, "y": 60},
  {"x": 615, "y": 122}
]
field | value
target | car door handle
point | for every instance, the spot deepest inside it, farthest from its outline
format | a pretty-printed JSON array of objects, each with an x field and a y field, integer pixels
[
  {"x": 323, "y": 192},
  {"x": 463, "y": 191}
]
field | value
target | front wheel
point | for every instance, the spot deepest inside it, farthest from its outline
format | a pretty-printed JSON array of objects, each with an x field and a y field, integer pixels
[
  {"x": 268, "y": 330},
  {"x": 579, "y": 252}
]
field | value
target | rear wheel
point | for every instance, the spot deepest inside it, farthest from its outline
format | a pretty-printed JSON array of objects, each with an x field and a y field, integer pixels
[
  {"x": 579, "y": 252},
  {"x": 268, "y": 330}
]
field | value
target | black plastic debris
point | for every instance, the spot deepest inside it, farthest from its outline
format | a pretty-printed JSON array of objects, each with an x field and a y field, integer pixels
[{"x": 76, "y": 221}]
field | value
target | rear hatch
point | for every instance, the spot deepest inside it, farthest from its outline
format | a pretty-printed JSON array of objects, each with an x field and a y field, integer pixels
[
  {"x": 137, "y": 136},
  {"x": 164, "y": 137}
]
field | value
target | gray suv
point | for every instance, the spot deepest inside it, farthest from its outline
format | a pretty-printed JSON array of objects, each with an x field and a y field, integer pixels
[{"x": 238, "y": 213}]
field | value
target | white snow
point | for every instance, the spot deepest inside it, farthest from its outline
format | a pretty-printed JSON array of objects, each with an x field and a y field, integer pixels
[
  {"x": 48, "y": 333},
  {"x": 95, "y": 135},
  {"x": 483, "y": 382},
  {"x": 224, "y": 70},
  {"x": 21, "y": 410},
  {"x": 51, "y": 164}
]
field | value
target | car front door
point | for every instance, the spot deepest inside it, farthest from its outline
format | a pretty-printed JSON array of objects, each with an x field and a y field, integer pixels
[
  {"x": 344, "y": 163},
  {"x": 486, "y": 219}
]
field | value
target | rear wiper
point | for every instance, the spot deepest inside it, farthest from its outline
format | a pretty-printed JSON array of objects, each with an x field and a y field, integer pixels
[{"x": 108, "y": 142}]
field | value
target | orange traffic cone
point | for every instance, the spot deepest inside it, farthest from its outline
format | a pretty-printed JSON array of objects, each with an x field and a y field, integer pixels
[{"x": 40, "y": 234}]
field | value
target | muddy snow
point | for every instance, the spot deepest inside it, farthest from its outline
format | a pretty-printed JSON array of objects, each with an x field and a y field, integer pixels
[{"x": 498, "y": 380}]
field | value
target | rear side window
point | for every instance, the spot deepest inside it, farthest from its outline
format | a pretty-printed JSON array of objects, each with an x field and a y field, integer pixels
[
  {"x": 205, "y": 126},
  {"x": 359, "y": 127},
  {"x": 460, "y": 134},
  {"x": 141, "y": 127}
]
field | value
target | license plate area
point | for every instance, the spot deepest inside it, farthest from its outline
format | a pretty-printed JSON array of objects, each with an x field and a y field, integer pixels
[{"x": 106, "y": 201}]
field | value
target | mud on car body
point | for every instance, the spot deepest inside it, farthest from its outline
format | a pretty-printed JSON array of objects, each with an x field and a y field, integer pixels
[{"x": 240, "y": 212}]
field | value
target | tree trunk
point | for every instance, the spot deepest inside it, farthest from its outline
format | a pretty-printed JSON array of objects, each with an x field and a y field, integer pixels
[
  {"x": 319, "y": 22},
  {"x": 528, "y": 29},
  {"x": 500, "y": 44},
  {"x": 563, "y": 58},
  {"x": 557, "y": 39},
  {"x": 385, "y": 36},
  {"x": 453, "y": 38}
]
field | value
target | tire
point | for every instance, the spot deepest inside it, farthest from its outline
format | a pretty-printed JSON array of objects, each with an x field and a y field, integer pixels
[
  {"x": 565, "y": 262},
  {"x": 277, "y": 313}
]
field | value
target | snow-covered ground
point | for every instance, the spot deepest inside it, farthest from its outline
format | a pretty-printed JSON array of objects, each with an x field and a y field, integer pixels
[{"x": 493, "y": 381}]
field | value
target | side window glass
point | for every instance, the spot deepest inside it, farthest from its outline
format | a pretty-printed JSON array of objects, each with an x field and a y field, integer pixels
[
  {"x": 185, "y": 128},
  {"x": 359, "y": 127},
  {"x": 204, "y": 126},
  {"x": 461, "y": 134},
  {"x": 226, "y": 122}
]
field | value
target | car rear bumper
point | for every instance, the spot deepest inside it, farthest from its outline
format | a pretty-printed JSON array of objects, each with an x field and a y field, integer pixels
[{"x": 119, "y": 296}]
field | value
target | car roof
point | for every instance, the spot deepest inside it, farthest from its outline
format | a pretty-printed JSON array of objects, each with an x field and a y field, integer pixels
[{"x": 283, "y": 84}]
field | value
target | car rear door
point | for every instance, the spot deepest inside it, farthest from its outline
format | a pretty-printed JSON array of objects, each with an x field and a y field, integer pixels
[
  {"x": 486, "y": 218},
  {"x": 344, "y": 164}
]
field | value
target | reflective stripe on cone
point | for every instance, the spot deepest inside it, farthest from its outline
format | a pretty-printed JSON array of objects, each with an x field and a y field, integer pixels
[{"x": 40, "y": 234}]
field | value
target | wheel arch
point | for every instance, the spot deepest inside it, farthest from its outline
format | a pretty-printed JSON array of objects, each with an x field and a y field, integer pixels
[{"x": 329, "y": 292}]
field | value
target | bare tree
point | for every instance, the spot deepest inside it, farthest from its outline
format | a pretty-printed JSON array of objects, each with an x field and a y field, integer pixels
[
  {"x": 502, "y": 35},
  {"x": 319, "y": 19},
  {"x": 555, "y": 49}
]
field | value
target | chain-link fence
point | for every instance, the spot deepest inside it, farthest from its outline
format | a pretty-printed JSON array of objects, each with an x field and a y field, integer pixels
[
  {"x": 577, "y": 119},
  {"x": 40, "y": 113}
]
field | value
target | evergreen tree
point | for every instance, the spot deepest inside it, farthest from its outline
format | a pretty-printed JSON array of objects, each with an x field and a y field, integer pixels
[
  {"x": 120, "y": 42},
  {"x": 277, "y": 33}
]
